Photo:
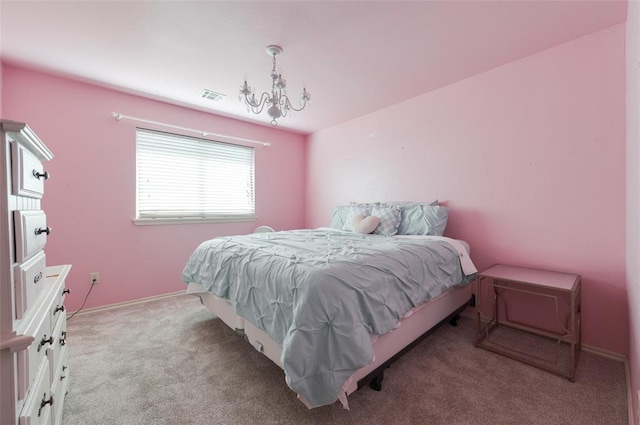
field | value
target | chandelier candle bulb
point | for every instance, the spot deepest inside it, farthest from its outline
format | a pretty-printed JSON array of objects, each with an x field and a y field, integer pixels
[{"x": 278, "y": 101}]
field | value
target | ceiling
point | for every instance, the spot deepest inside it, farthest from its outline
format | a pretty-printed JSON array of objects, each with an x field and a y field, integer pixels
[{"x": 354, "y": 57}]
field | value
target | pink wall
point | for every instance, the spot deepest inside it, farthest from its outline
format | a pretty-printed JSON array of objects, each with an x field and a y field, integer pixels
[
  {"x": 633, "y": 196},
  {"x": 90, "y": 200},
  {"x": 1, "y": 95},
  {"x": 530, "y": 157}
]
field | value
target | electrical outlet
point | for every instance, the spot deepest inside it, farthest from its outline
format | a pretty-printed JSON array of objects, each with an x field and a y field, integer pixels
[{"x": 94, "y": 277}]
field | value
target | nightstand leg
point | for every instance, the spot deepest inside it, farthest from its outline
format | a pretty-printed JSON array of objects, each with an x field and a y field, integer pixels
[
  {"x": 478, "y": 301},
  {"x": 496, "y": 296}
]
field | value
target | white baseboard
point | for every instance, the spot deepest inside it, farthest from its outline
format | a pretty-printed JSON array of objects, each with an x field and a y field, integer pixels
[
  {"x": 630, "y": 395},
  {"x": 126, "y": 303},
  {"x": 622, "y": 358},
  {"x": 605, "y": 353}
]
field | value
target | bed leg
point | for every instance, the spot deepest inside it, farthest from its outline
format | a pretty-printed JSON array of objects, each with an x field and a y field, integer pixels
[
  {"x": 453, "y": 321},
  {"x": 376, "y": 382}
]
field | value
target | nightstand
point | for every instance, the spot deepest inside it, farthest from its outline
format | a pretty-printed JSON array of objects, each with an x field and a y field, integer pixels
[{"x": 559, "y": 291}]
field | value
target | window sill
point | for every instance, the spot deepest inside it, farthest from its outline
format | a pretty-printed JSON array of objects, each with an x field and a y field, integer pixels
[{"x": 191, "y": 220}]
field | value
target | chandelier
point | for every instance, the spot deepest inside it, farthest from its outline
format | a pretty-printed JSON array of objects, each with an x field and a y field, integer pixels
[{"x": 277, "y": 101}]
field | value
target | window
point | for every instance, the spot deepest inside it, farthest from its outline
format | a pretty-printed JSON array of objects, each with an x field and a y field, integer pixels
[{"x": 187, "y": 179}]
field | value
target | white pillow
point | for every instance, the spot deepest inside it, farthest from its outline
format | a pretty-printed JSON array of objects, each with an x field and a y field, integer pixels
[{"x": 362, "y": 224}]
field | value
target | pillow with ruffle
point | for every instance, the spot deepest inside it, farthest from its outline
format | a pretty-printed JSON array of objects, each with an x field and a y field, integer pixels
[
  {"x": 423, "y": 220},
  {"x": 389, "y": 216},
  {"x": 364, "y": 225},
  {"x": 339, "y": 217}
]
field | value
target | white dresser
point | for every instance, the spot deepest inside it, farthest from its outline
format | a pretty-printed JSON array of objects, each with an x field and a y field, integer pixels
[{"x": 34, "y": 373}]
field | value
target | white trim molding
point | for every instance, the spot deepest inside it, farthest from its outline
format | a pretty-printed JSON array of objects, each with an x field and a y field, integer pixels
[{"x": 127, "y": 303}]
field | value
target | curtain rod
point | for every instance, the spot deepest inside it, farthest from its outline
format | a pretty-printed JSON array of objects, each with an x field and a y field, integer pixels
[{"x": 119, "y": 116}]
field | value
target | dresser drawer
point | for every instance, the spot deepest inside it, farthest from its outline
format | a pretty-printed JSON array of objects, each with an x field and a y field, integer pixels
[
  {"x": 29, "y": 282},
  {"x": 59, "y": 388},
  {"x": 55, "y": 350},
  {"x": 30, "y": 232},
  {"x": 37, "y": 407},
  {"x": 58, "y": 309},
  {"x": 28, "y": 173},
  {"x": 30, "y": 359}
]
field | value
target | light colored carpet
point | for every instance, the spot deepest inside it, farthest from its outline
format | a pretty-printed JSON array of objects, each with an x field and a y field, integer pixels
[{"x": 169, "y": 361}]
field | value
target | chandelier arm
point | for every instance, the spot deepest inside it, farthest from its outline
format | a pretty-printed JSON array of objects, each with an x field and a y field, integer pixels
[
  {"x": 288, "y": 102},
  {"x": 264, "y": 99}
]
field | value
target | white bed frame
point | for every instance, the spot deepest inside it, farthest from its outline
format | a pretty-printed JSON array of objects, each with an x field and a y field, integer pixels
[{"x": 418, "y": 322}]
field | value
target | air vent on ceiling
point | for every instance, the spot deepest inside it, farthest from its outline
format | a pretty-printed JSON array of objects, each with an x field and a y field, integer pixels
[{"x": 212, "y": 95}]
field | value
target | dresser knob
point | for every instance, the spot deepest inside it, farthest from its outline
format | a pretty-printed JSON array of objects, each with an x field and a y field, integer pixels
[
  {"x": 63, "y": 340},
  {"x": 44, "y": 402},
  {"x": 57, "y": 309},
  {"x": 37, "y": 175},
  {"x": 66, "y": 291},
  {"x": 37, "y": 277},
  {"x": 40, "y": 230},
  {"x": 44, "y": 341}
]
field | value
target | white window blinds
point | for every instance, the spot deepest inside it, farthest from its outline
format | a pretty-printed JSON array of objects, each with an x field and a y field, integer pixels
[{"x": 181, "y": 177}]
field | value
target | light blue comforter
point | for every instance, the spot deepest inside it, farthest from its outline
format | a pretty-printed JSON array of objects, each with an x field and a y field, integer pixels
[{"x": 321, "y": 294}]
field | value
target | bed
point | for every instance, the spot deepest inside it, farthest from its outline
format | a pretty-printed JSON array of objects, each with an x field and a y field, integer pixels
[{"x": 329, "y": 306}]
